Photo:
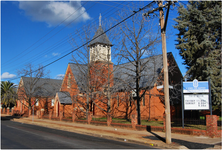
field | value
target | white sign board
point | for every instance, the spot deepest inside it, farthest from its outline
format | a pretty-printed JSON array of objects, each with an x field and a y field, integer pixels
[
  {"x": 196, "y": 102},
  {"x": 196, "y": 86}
]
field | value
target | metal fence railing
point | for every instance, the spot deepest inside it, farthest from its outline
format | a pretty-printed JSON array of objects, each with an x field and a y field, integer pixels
[{"x": 191, "y": 123}]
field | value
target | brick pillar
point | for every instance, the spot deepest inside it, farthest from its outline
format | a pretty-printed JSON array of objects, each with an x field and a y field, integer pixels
[
  {"x": 12, "y": 111},
  {"x": 60, "y": 115},
  {"x": 8, "y": 111},
  {"x": 38, "y": 114},
  {"x": 134, "y": 120},
  {"x": 30, "y": 112},
  {"x": 109, "y": 119},
  {"x": 164, "y": 122},
  {"x": 211, "y": 123},
  {"x": 73, "y": 115},
  {"x": 42, "y": 113},
  {"x": 89, "y": 117},
  {"x": 50, "y": 115}
]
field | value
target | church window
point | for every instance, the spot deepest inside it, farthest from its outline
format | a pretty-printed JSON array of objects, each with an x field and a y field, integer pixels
[
  {"x": 129, "y": 98},
  {"x": 144, "y": 100},
  {"x": 52, "y": 102},
  {"x": 69, "y": 81},
  {"x": 36, "y": 102}
]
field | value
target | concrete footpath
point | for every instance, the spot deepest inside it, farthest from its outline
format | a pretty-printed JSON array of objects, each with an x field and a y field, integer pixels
[{"x": 155, "y": 139}]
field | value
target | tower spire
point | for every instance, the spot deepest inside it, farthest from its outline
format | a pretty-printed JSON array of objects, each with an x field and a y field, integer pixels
[{"x": 100, "y": 17}]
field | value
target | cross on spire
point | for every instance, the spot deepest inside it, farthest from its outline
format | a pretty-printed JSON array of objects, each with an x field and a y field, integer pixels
[{"x": 100, "y": 17}]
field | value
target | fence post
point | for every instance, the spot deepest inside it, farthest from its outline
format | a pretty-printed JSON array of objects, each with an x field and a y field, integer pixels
[
  {"x": 30, "y": 112},
  {"x": 89, "y": 117},
  {"x": 73, "y": 115},
  {"x": 12, "y": 111},
  {"x": 211, "y": 123},
  {"x": 109, "y": 119},
  {"x": 42, "y": 113},
  {"x": 60, "y": 115},
  {"x": 134, "y": 120},
  {"x": 39, "y": 114},
  {"x": 8, "y": 111},
  {"x": 50, "y": 114}
]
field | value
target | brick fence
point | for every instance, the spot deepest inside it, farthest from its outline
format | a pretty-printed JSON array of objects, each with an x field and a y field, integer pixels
[{"x": 211, "y": 124}]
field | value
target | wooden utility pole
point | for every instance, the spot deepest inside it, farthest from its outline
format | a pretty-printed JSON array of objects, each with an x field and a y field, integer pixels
[{"x": 165, "y": 68}]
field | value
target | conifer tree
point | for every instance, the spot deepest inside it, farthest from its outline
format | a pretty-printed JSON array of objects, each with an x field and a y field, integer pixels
[{"x": 199, "y": 43}]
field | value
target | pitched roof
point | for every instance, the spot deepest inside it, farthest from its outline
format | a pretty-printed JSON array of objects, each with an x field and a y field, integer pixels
[
  {"x": 41, "y": 87},
  {"x": 64, "y": 97},
  {"x": 125, "y": 75},
  {"x": 100, "y": 38},
  {"x": 80, "y": 74}
]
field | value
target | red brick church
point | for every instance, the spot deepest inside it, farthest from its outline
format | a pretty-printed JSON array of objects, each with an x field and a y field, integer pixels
[
  {"x": 84, "y": 83},
  {"x": 100, "y": 85}
]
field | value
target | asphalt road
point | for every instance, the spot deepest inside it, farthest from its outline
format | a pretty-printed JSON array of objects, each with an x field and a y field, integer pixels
[{"x": 24, "y": 136}]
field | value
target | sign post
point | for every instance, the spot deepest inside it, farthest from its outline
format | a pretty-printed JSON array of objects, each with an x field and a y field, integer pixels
[
  {"x": 182, "y": 103},
  {"x": 210, "y": 96},
  {"x": 196, "y": 95}
]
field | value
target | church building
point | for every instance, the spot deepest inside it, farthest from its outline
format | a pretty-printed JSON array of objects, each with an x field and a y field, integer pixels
[{"x": 100, "y": 86}]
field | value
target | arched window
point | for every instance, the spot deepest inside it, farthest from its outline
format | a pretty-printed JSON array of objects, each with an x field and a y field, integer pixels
[
  {"x": 52, "y": 102},
  {"x": 143, "y": 99},
  {"x": 36, "y": 102},
  {"x": 69, "y": 81}
]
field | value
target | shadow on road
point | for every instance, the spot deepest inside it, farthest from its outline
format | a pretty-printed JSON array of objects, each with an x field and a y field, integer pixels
[
  {"x": 190, "y": 145},
  {"x": 4, "y": 118}
]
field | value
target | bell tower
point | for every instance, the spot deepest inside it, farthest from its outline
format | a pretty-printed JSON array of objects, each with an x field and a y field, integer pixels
[
  {"x": 100, "y": 46},
  {"x": 101, "y": 67}
]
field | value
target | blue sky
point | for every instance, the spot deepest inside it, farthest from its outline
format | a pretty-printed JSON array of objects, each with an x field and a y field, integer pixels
[{"x": 39, "y": 32}]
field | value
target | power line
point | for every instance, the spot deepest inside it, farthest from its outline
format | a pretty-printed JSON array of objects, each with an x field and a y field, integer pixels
[
  {"x": 44, "y": 36},
  {"x": 134, "y": 12},
  {"x": 56, "y": 44}
]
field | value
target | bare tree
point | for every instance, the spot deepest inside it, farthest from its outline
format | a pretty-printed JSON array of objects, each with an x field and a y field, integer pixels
[{"x": 137, "y": 41}]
